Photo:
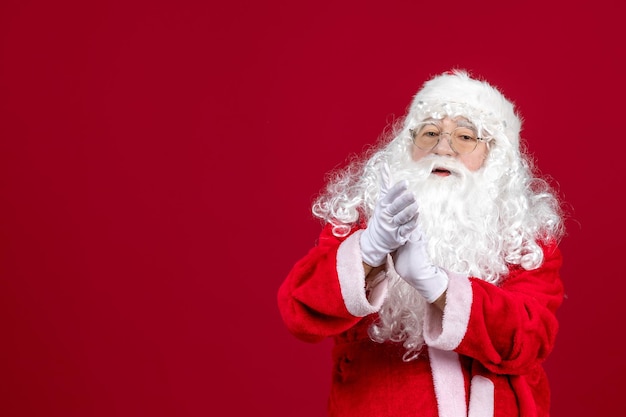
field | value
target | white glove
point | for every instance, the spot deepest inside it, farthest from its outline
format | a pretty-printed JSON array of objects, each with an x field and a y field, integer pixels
[
  {"x": 393, "y": 220},
  {"x": 412, "y": 263}
]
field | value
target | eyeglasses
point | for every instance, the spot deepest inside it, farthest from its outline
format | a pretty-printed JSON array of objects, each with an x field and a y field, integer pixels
[{"x": 462, "y": 140}]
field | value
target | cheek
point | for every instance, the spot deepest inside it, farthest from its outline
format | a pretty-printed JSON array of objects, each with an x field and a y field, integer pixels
[
  {"x": 474, "y": 161},
  {"x": 418, "y": 153}
]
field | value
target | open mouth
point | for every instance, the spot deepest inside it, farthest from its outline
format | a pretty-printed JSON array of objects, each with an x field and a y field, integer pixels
[{"x": 441, "y": 171}]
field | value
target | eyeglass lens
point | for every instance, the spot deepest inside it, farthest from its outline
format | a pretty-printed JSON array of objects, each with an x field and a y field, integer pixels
[{"x": 462, "y": 139}]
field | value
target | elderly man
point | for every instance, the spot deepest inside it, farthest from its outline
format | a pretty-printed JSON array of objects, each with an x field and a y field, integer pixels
[{"x": 437, "y": 271}]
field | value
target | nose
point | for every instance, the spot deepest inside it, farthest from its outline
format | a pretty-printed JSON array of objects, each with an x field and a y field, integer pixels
[{"x": 443, "y": 146}]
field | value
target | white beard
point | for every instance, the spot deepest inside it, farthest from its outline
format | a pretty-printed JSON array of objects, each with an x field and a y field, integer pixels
[{"x": 458, "y": 214}]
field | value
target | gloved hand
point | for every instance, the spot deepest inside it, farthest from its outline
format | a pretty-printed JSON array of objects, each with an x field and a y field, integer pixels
[
  {"x": 413, "y": 264},
  {"x": 393, "y": 220}
]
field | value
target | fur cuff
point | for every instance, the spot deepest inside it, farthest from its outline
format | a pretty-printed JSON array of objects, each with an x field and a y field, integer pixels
[
  {"x": 445, "y": 329},
  {"x": 352, "y": 279}
]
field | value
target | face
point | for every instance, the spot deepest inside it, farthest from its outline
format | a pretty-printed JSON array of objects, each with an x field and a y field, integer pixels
[{"x": 472, "y": 161}]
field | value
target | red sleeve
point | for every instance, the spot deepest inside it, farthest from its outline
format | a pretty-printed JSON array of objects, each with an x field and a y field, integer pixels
[
  {"x": 324, "y": 293},
  {"x": 509, "y": 328}
]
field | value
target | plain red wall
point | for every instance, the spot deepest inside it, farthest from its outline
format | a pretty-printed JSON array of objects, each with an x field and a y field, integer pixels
[{"x": 158, "y": 160}]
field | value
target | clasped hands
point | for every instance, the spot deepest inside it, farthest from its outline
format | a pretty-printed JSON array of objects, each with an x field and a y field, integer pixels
[{"x": 392, "y": 229}]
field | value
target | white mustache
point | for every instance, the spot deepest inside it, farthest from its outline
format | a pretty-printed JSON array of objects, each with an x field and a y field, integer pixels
[{"x": 431, "y": 162}]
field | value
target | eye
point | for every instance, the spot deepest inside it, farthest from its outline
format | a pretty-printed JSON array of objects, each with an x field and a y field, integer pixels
[
  {"x": 430, "y": 131},
  {"x": 464, "y": 135}
]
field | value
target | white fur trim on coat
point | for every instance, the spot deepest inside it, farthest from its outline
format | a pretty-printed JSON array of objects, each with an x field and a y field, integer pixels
[
  {"x": 352, "y": 279},
  {"x": 445, "y": 329},
  {"x": 481, "y": 403},
  {"x": 449, "y": 383}
]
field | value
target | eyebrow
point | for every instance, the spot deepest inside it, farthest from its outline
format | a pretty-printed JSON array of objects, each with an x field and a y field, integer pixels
[{"x": 465, "y": 123}]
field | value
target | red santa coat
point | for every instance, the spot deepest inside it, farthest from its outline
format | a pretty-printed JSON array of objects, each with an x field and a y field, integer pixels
[{"x": 484, "y": 352}]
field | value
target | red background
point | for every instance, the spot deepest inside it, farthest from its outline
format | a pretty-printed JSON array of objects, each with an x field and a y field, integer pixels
[{"x": 158, "y": 160}]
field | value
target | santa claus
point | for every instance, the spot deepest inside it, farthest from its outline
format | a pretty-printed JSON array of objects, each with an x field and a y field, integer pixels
[{"x": 437, "y": 270}]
